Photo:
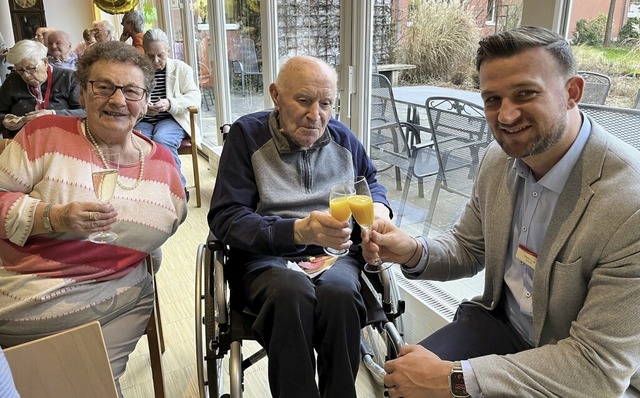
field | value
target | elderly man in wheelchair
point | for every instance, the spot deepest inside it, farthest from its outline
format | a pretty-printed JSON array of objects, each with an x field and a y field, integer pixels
[{"x": 269, "y": 208}]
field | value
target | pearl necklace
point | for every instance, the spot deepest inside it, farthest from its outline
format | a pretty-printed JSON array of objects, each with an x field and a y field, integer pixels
[{"x": 104, "y": 161}]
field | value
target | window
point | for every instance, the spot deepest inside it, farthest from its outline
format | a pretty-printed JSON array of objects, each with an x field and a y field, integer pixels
[{"x": 491, "y": 12}]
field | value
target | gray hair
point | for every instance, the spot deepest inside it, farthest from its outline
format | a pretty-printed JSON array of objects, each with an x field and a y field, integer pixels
[
  {"x": 512, "y": 42},
  {"x": 105, "y": 24},
  {"x": 66, "y": 36},
  {"x": 136, "y": 18},
  {"x": 27, "y": 50},
  {"x": 114, "y": 51},
  {"x": 154, "y": 35}
]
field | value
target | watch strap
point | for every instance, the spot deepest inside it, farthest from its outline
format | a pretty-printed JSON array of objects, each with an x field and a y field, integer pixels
[
  {"x": 46, "y": 219},
  {"x": 456, "y": 381}
]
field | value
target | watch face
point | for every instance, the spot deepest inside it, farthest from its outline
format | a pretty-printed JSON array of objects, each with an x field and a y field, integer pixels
[{"x": 25, "y": 3}]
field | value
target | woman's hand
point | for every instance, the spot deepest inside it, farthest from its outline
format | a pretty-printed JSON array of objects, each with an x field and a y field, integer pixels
[
  {"x": 35, "y": 114},
  {"x": 13, "y": 122},
  {"x": 83, "y": 217}
]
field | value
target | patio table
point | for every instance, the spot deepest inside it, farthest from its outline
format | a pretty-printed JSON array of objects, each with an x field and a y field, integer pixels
[{"x": 415, "y": 98}]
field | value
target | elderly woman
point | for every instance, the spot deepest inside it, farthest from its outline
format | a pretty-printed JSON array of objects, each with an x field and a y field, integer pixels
[
  {"x": 167, "y": 118},
  {"x": 35, "y": 88},
  {"x": 87, "y": 41},
  {"x": 51, "y": 276},
  {"x": 102, "y": 31},
  {"x": 133, "y": 27}
]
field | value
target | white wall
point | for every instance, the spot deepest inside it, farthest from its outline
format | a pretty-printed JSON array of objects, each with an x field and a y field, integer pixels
[{"x": 72, "y": 16}]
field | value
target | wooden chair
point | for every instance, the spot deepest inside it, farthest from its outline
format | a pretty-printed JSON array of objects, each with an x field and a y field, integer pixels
[
  {"x": 596, "y": 87},
  {"x": 189, "y": 146},
  {"x": 155, "y": 337},
  {"x": 70, "y": 364}
]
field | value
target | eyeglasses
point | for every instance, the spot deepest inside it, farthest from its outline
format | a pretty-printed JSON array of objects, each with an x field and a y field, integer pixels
[
  {"x": 106, "y": 90},
  {"x": 30, "y": 71}
]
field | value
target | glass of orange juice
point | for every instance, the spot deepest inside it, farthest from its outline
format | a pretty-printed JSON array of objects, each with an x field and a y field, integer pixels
[
  {"x": 340, "y": 209},
  {"x": 362, "y": 208}
]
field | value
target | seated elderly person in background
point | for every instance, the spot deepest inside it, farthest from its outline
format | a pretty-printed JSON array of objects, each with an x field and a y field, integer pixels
[
  {"x": 87, "y": 41},
  {"x": 51, "y": 276},
  {"x": 59, "y": 46},
  {"x": 35, "y": 88},
  {"x": 167, "y": 118},
  {"x": 103, "y": 31},
  {"x": 40, "y": 35},
  {"x": 133, "y": 27}
]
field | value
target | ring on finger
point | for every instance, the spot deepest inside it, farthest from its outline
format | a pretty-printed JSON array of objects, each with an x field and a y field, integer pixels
[{"x": 91, "y": 217}]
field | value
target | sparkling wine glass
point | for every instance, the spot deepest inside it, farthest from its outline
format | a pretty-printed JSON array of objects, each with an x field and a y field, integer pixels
[
  {"x": 361, "y": 205},
  {"x": 104, "y": 175},
  {"x": 340, "y": 209}
]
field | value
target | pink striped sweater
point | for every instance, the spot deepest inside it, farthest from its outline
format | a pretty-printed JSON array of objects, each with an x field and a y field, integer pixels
[{"x": 54, "y": 275}]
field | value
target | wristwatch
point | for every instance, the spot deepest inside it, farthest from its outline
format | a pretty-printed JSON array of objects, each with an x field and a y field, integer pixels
[
  {"x": 46, "y": 220},
  {"x": 456, "y": 381}
]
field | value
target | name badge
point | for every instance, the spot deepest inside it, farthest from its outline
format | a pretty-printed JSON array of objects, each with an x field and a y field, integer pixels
[{"x": 527, "y": 256}]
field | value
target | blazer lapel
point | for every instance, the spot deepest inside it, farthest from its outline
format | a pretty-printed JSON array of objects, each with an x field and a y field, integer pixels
[{"x": 572, "y": 203}]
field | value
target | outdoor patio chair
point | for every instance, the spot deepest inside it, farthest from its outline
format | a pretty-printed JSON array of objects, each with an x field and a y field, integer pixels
[
  {"x": 596, "y": 87},
  {"x": 636, "y": 105},
  {"x": 205, "y": 81},
  {"x": 246, "y": 62},
  {"x": 394, "y": 143},
  {"x": 623, "y": 123},
  {"x": 460, "y": 136}
]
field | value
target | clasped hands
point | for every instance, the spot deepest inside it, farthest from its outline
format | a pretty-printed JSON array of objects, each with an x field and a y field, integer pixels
[{"x": 162, "y": 105}]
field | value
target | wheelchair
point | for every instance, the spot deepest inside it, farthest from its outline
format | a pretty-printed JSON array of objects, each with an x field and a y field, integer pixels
[{"x": 222, "y": 324}]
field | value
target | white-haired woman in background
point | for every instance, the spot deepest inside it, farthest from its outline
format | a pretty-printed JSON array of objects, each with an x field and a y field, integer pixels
[
  {"x": 167, "y": 119},
  {"x": 35, "y": 88}
]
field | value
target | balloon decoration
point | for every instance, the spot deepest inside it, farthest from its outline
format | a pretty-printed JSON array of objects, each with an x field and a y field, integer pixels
[{"x": 116, "y": 6}]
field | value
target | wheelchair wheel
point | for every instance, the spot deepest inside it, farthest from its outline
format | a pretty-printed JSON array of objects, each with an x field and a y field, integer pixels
[
  {"x": 379, "y": 342},
  {"x": 210, "y": 378}
]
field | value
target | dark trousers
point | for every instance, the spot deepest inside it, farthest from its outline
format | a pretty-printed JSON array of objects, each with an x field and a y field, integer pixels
[
  {"x": 475, "y": 332},
  {"x": 297, "y": 316}
]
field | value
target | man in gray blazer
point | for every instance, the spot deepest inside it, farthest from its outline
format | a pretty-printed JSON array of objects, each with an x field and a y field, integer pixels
[{"x": 554, "y": 220}]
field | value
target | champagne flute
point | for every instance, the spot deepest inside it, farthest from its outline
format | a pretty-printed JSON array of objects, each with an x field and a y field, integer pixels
[
  {"x": 361, "y": 205},
  {"x": 340, "y": 209},
  {"x": 104, "y": 175}
]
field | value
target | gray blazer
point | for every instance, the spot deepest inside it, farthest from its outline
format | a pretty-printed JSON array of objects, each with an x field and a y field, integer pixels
[{"x": 586, "y": 287}]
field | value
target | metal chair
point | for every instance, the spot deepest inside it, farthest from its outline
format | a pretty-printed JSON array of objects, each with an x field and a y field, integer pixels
[
  {"x": 189, "y": 147},
  {"x": 245, "y": 62},
  {"x": 205, "y": 81},
  {"x": 393, "y": 143},
  {"x": 460, "y": 136},
  {"x": 623, "y": 123},
  {"x": 223, "y": 322},
  {"x": 596, "y": 87},
  {"x": 636, "y": 105}
]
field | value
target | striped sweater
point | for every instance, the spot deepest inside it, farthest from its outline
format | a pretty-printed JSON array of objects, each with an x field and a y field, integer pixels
[{"x": 52, "y": 275}]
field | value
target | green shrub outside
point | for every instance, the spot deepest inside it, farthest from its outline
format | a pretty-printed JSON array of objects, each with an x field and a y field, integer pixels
[
  {"x": 441, "y": 41},
  {"x": 590, "y": 32}
]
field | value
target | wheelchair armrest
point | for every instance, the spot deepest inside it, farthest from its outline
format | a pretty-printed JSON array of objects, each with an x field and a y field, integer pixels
[{"x": 213, "y": 243}]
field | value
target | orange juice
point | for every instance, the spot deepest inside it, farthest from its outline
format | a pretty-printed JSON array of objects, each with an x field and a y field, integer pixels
[
  {"x": 362, "y": 209},
  {"x": 340, "y": 209}
]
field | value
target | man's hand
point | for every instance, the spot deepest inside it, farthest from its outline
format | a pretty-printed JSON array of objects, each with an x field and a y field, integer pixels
[
  {"x": 320, "y": 228},
  {"x": 390, "y": 243},
  {"x": 417, "y": 373}
]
